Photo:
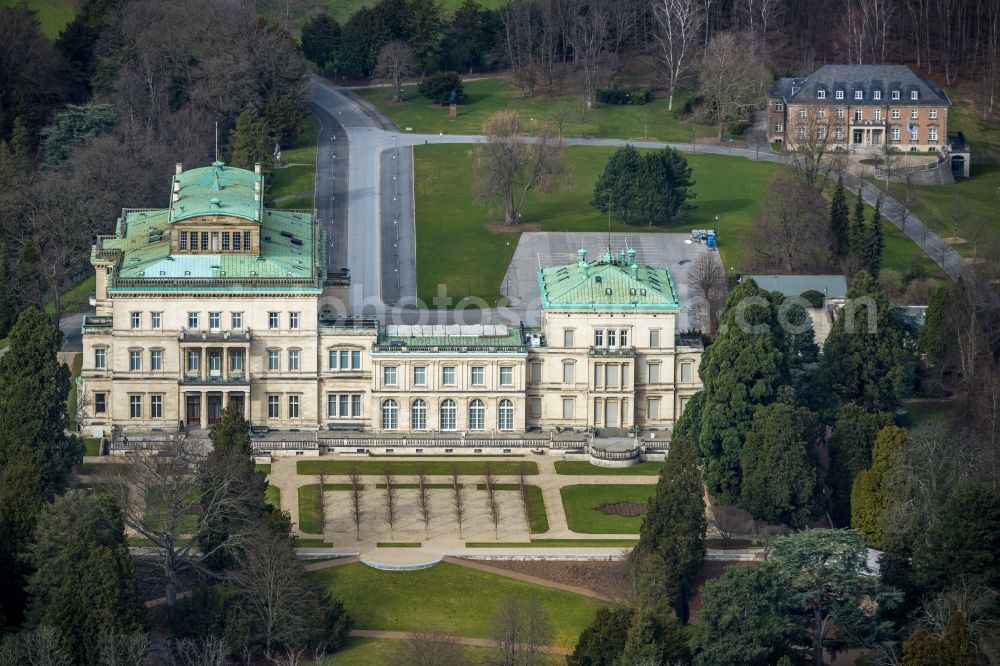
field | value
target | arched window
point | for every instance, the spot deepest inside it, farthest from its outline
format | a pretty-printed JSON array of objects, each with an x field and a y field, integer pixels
[
  {"x": 477, "y": 415},
  {"x": 506, "y": 415},
  {"x": 448, "y": 413},
  {"x": 390, "y": 415},
  {"x": 418, "y": 415}
]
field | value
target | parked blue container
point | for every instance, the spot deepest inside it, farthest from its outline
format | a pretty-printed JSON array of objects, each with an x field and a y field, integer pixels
[{"x": 710, "y": 239}]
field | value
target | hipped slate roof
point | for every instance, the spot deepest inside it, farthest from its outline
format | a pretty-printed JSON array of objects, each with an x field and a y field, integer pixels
[{"x": 867, "y": 78}]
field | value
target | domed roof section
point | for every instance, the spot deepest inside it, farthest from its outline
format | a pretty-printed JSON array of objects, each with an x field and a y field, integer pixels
[{"x": 217, "y": 190}]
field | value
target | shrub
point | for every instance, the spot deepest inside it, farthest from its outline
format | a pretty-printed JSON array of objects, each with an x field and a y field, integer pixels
[
  {"x": 630, "y": 97},
  {"x": 438, "y": 86},
  {"x": 814, "y": 297}
]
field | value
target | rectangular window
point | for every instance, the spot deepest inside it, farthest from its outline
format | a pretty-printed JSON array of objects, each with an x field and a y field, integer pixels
[
  {"x": 356, "y": 405},
  {"x": 568, "y": 337},
  {"x": 895, "y": 113},
  {"x": 894, "y": 134},
  {"x": 293, "y": 320},
  {"x": 419, "y": 375},
  {"x": 654, "y": 373},
  {"x": 914, "y": 114},
  {"x": 779, "y": 106},
  {"x": 568, "y": 410},
  {"x": 100, "y": 403},
  {"x": 932, "y": 114},
  {"x": 820, "y": 94},
  {"x": 838, "y": 134},
  {"x": 344, "y": 357},
  {"x": 448, "y": 375},
  {"x": 155, "y": 320},
  {"x": 839, "y": 94},
  {"x": 136, "y": 319},
  {"x": 237, "y": 320},
  {"x": 342, "y": 402},
  {"x": 859, "y": 94},
  {"x": 625, "y": 375},
  {"x": 779, "y": 128},
  {"x": 569, "y": 372},
  {"x": 273, "y": 407},
  {"x": 684, "y": 404},
  {"x": 478, "y": 375},
  {"x": 135, "y": 360},
  {"x": 156, "y": 359},
  {"x": 237, "y": 242},
  {"x": 293, "y": 359},
  {"x": 246, "y": 240},
  {"x": 100, "y": 359},
  {"x": 821, "y": 113},
  {"x": 204, "y": 240},
  {"x": 293, "y": 406},
  {"x": 599, "y": 337},
  {"x": 135, "y": 406},
  {"x": 214, "y": 321},
  {"x": 182, "y": 244},
  {"x": 535, "y": 408},
  {"x": 611, "y": 375},
  {"x": 802, "y": 113},
  {"x": 193, "y": 360},
  {"x": 225, "y": 241},
  {"x": 802, "y": 132},
  {"x": 623, "y": 337},
  {"x": 272, "y": 320},
  {"x": 598, "y": 375},
  {"x": 878, "y": 115},
  {"x": 215, "y": 241},
  {"x": 653, "y": 408},
  {"x": 876, "y": 94},
  {"x": 654, "y": 338},
  {"x": 156, "y": 406},
  {"x": 932, "y": 135},
  {"x": 858, "y": 115},
  {"x": 273, "y": 361},
  {"x": 686, "y": 372},
  {"x": 914, "y": 94},
  {"x": 236, "y": 360},
  {"x": 389, "y": 375},
  {"x": 536, "y": 372},
  {"x": 331, "y": 359},
  {"x": 839, "y": 113},
  {"x": 895, "y": 94},
  {"x": 193, "y": 320},
  {"x": 331, "y": 406},
  {"x": 612, "y": 337},
  {"x": 506, "y": 376},
  {"x": 355, "y": 360},
  {"x": 914, "y": 133}
]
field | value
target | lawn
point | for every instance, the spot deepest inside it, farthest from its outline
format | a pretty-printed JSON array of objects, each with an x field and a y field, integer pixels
[
  {"x": 449, "y": 597},
  {"x": 367, "y": 651},
  {"x": 450, "y": 225},
  {"x": 265, "y": 468},
  {"x": 272, "y": 494},
  {"x": 584, "y": 468},
  {"x": 536, "y": 505},
  {"x": 412, "y": 467},
  {"x": 342, "y": 9},
  {"x": 53, "y": 15},
  {"x": 292, "y": 186},
  {"x": 91, "y": 445},
  {"x": 581, "y": 504},
  {"x": 309, "y": 521},
  {"x": 487, "y": 96},
  {"x": 555, "y": 543}
]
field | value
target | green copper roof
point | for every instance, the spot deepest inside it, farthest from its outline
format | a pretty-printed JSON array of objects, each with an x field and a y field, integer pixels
[
  {"x": 292, "y": 250},
  {"x": 216, "y": 190},
  {"x": 438, "y": 336},
  {"x": 610, "y": 282}
]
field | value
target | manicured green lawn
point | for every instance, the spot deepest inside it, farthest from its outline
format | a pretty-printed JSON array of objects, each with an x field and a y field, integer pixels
[
  {"x": 487, "y": 96},
  {"x": 581, "y": 505},
  {"x": 368, "y": 651},
  {"x": 91, "y": 446},
  {"x": 412, "y": 467},
  {"x": 450, "y": 225},
  {"x": 311, "y": 543},
  {"x": 292, "y": 186},
  {"x": 919, "y": 412},
  {"x": 53, "y": 15},
  {"x": 584, "y": 468},
  {"x": 309, "y": 520},
  {"x": 555, "y": 543},
  {"x": 273, "y": 496},
  {"x": 266, "y": 469},
  {"x": 342, "y": 9},
  {"x": 455, "y": 599},
  {"x": 539, "y": 522}
]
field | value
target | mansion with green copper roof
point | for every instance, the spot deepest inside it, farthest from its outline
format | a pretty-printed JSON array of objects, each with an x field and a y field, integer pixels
[{"x": 218, "y": 299}]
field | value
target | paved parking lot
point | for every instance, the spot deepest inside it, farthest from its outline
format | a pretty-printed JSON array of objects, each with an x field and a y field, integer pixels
[{"x": 554, "y": 248}]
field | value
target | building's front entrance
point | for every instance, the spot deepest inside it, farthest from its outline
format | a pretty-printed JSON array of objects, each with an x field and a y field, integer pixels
[
  {"x": 214, "y": 408},
  {"x": 859, "y": 136},
  {"x": 193, "y": 409},
  {"x": 610, "y": 413}
]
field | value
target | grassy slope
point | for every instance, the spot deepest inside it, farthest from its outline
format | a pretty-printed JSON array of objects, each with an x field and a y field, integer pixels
[
  {"x": 581, "y": 502},
  {"x": 368, "y": 651},
  {"x": 342, "y": 9},
  {"x": 584, "y": 468},
  {"x": 449, "y": 597},
  {"x": 272, "y": 494},
  {"x": 487, "y": 96},
  {"x": 53, "y": 15},
  {"x": 299, "y": 178},
  {"x": 412, "y": 467}
]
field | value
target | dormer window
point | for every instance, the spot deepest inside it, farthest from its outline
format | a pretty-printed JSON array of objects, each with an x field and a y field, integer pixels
[
  {"x": 859, "y": 94},
  {"x": 839, "y": 94},
  {"x": 820, "y": 94},
  {"x": 877, "y": 94},
  {"x": 914, "y": 95},
  {"x": 895, "y": 94}
]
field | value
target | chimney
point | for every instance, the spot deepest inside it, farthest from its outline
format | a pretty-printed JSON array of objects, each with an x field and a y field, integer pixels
[
  {"x": 177, "y": 185},
  {"x": 178, "y": 168},
  {"x": 175, "y": 197},
  {"x": 631, "y": 256},
  {"x": 256, "y": 186},
  {"x": 582, "y": 253},
  {"x": 256, "y": 196},
  {"x": 256, "y": 168}
]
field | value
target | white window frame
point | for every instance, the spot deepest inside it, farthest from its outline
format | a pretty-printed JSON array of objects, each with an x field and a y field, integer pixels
[
  {"x": 448, "y": 416},
  {"x": 779, "y": 128},
  {"x": 390, "y": 414},
  {"x": 481, "y": 372},
  {"x": 418, "y": 414},
  {"x": 895, "y": 113},
  {"x": 839, "y": 94},
  {"x": 135, "y": 320},
  {"x": 236, "y": 319},
  {"x": 156, "y": 320},
  {"x": 506, "y": 375},
  {"x": 859, "y": 94},
  {"x": 273, "y": 360},
  {"x": 214, "y": 321},
  {"x": 505, "y": 415},
  {"x": 390, "y": 375},
  {"x": 477, "y": 415},
  {"x": 914, "y": 95},
  {"x": 448, "y": 375},
  {"x": 932, "y": 114},
  {"x": 876, "y": 94},
  {"x": 820, "y": 94},
  {"x": 194, "y": 320},
  {"x": 156, "y": 406},
  {"x": 895, "y": 94},
  {"x": 932, "y": 135},
  {"x": 135, "y": 406},
  {"x": 293, "y": 406},
  {"x": 155, "y": 359},
  {"x": 274, "y": 406},
  {"x": 273, "y": 320},
  {"x": 420, "y": 375},
  {"x": 100, "y": 358},
  {"x": 293, "y": 359},
  {"x": 135, "y": 360},
  {"x": 293, "y": 320}
]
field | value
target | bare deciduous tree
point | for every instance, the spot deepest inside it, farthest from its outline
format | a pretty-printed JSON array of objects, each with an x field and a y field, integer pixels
[
  {"x": 123, "y": 649},
  {"x": 457, "y": 499},
  {"x": 793, "y": 231},
  {"x": 357, "y": 499},
  {"x": 520, "y": 629},
  {"x": 321, "y": 503},
  {"x": 728, "y": 521},
  {"x": 429, "y": 648},
  {"x": 521, "y": 38},
  {"x": 424, "y": 499},
  {"x": 493, "y": 502},
  {"x": 208, "y": 651},
  {"x": 563, "y": 113},
  {"x": 165, "y": 499},
  {"x": 677, "y": 26},
  {"x": 732, "y": 79},
  {"x": 589, "y": 37},
  {"x": 508, "y": 166},
  {"x": 708, "y": 276},
  {"x": 813, "y": 148},
  {"x": 395, "y": 61},
  {"x": 36, "y": 646},
  {"x": 390, "y": 498}
]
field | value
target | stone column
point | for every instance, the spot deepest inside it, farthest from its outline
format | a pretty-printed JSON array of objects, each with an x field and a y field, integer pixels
[
  {"x": 204, "y": 408},
  {"x": 203, "y": 361}
]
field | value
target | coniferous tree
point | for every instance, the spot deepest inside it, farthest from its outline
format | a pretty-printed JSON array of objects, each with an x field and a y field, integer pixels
[
  {"x": 602, "y": 642},
  {"x": 856, "y": 233},
  {"x": 840, "y": 218},
  {"x": 663, "y": 186},
  {"x": 250, "y": 141},
  {"x": 871, "y": 493},
  {"x": 674, "y": 526},
  {"x": 615, "y": 189},
  {"x": 850, "y": 451},
  {"x": 321, "y": 39},
  {"x": 874, "y": 242}
]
